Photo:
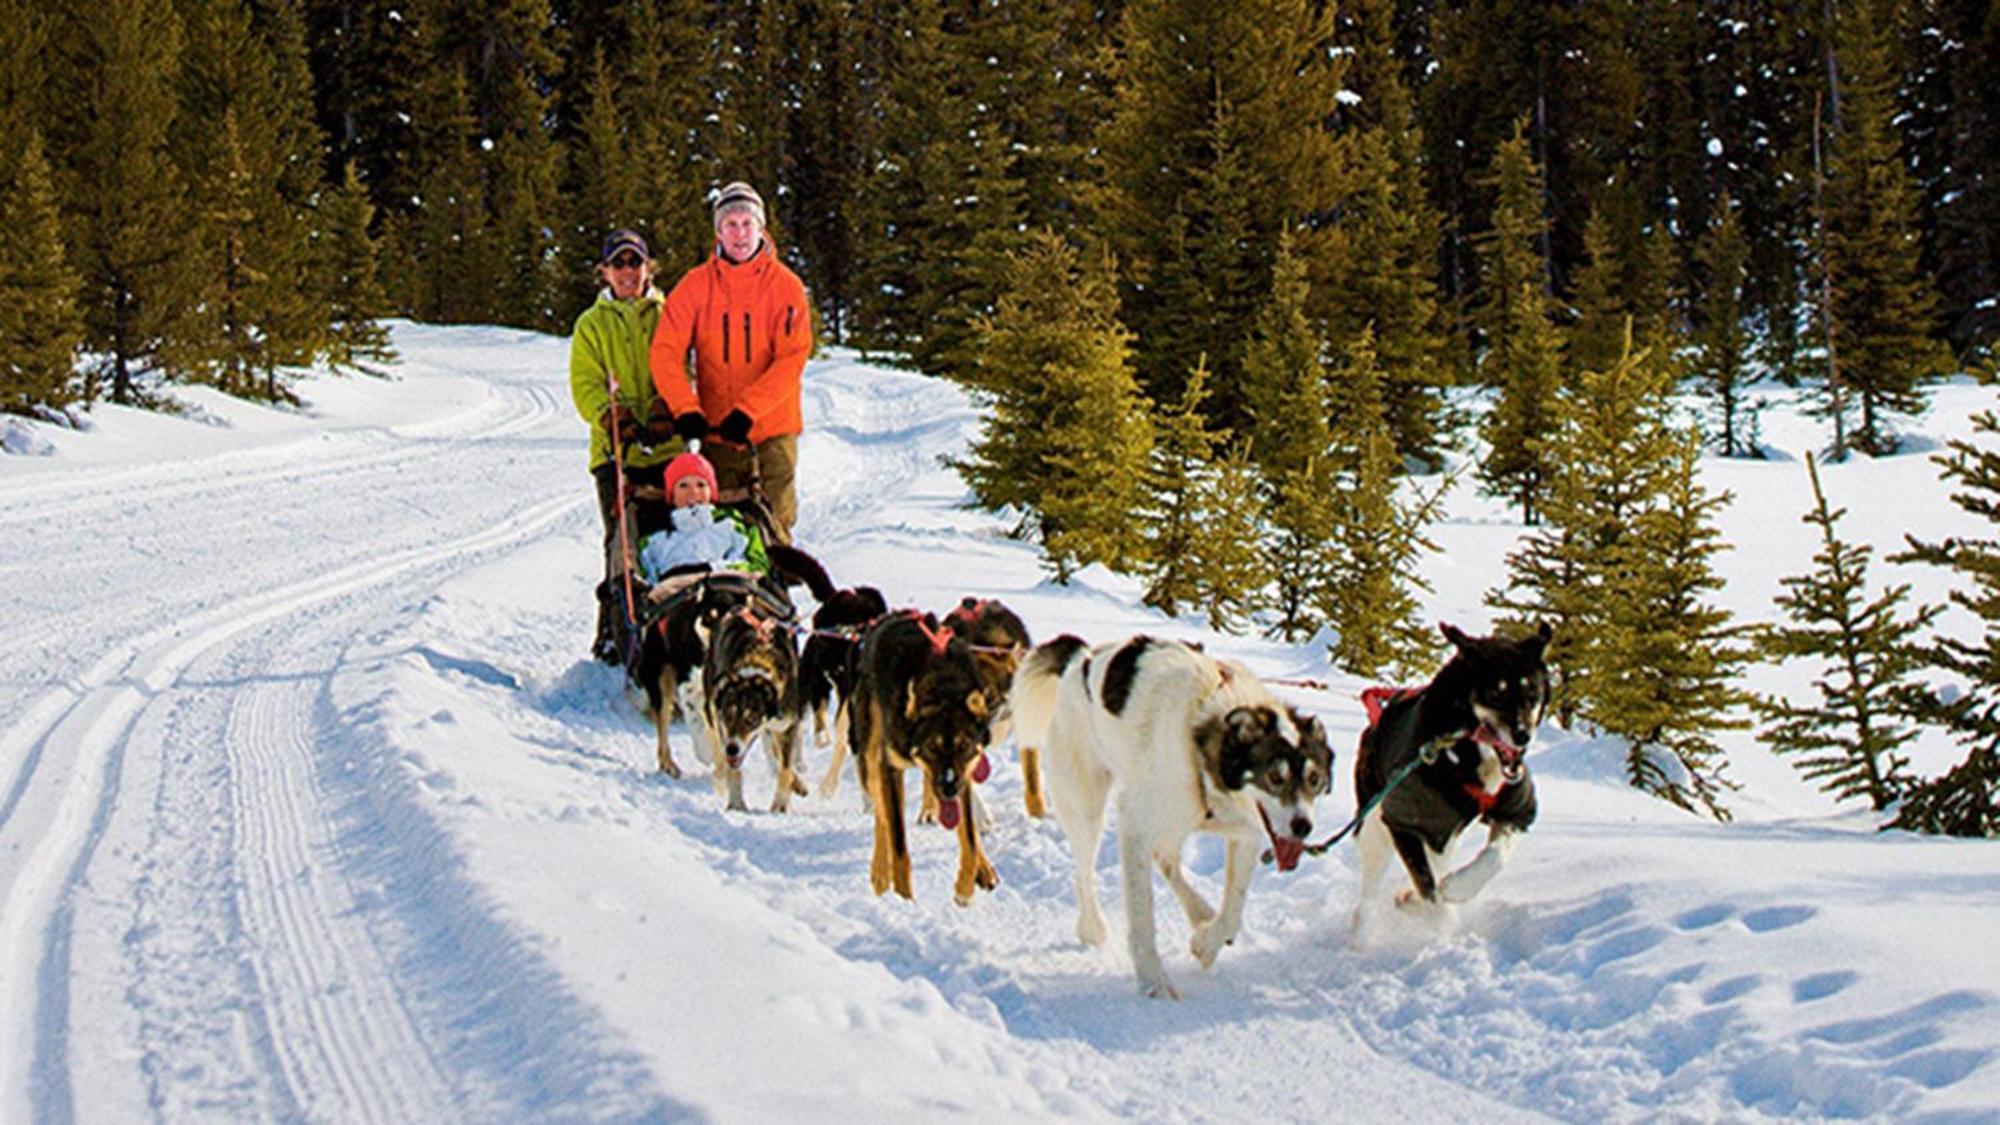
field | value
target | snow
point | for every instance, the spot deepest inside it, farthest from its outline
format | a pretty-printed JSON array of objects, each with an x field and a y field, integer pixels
[{"x": 312, "y": 807}]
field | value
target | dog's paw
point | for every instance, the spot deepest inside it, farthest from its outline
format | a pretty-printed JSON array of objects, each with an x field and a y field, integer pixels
[
  {"x": 987, "y": 878},
  {"x": 799, "y": 788},
  {"x": 1208, "y": 941},
  {"x": 1462, "y": 885},
  {"x": 1156, "y": 986},
  {"x": 669, "y": 767}
]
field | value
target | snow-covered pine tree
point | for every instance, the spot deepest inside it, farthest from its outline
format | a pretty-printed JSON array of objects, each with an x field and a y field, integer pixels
[
  {"x": 355, "y": 300},
  {"x": 1719, "y": 337},
  {"x": 1965, "y": 801},
  {"x": 1169, "y": 521},
  {"x": 1522, "y": 360},
  {"x": 39, "y": 325},
  {"x": 1847, "y": 737},
  {"x": 1665, "y": 666},
  {"x": 1228, "y": 570},
  {"x": 1068, "y": 437}
]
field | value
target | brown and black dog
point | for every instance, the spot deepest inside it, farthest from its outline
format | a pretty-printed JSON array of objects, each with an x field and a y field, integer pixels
[
  {"x": 998, "y": 641},
  {"x": 918, "y": 702},
  {"x": 750, "y": 689}
]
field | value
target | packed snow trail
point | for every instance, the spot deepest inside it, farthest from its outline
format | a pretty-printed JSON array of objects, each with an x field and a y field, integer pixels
[{"x": 312, "y": 808}]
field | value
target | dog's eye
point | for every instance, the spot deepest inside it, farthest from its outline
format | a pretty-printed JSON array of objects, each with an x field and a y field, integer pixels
[{"x": 1279, "y": 773}]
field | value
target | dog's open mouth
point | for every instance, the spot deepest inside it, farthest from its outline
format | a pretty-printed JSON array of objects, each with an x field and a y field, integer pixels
[
  {"x": 1285, "y": 849},
  {"x": 1511, "y": 763}
]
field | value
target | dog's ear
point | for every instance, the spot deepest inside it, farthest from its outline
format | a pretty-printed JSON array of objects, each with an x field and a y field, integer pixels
[
  {"x": 1455, "y": 635},
  {"x": 910, "y": 700},
  {"x": 1539, "y": 642},
  {"x": 1248, "y": 724},
  {"x": 975, "y": 702}
]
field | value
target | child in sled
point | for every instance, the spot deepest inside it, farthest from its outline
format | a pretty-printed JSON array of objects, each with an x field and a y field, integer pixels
[{"x": 699, "y": 538}]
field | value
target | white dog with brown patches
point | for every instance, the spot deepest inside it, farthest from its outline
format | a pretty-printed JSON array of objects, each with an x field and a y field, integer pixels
[{"x": 1190, "y": 744}]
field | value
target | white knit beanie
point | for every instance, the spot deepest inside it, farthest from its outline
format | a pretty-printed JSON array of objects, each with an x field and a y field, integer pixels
[{"x": 739, "y": 196}]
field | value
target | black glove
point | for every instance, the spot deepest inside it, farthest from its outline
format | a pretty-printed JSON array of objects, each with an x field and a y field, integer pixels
[
  {"x": 619, "y": 423},
  {"x": 691, "y": 426},
  {"x": 660, "y": 427},
  {"x": 735, "y": 427}
]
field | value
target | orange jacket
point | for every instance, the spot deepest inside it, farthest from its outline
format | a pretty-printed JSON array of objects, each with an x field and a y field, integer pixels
[{"x": 751, "y": 332}]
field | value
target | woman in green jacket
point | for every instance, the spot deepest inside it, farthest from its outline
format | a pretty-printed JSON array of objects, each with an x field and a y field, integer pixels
[{"x": 612, "y": 385}]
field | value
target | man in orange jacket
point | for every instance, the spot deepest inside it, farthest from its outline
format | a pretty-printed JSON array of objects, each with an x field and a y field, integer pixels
[{"x": 744, "y": 316}]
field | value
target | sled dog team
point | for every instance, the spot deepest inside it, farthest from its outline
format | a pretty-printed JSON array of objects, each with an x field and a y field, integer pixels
[{"x": 1182, "y": 742}]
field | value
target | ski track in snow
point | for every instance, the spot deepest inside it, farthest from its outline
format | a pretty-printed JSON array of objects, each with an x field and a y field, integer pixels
[{"x": 331, "y": 822}]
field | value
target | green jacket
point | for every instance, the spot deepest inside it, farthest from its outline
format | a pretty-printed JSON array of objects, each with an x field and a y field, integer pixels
[{"x": 613, "y": 336}]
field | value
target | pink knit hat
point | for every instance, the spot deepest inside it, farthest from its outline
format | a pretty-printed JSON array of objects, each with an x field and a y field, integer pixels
[{"x": 690, "y": 464}]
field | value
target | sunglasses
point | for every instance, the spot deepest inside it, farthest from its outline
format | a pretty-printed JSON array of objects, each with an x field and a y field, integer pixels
[{"x": 627, "y": 262}]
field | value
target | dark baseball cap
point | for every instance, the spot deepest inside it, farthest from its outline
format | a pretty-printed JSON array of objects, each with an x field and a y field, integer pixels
[{"x": 622, "y": 239}]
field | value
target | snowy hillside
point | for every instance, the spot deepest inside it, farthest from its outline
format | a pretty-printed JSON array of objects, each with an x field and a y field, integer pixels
[{"x": 311, "y": 807}]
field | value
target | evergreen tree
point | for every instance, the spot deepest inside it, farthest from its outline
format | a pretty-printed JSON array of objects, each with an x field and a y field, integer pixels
[
  {"x": 518, "y": 68},
  {"x": 1720, "y": 339},
  {"x": 1229, "y": 570},
  {"x": 1595, "y": 340},
  {"x": 1215, "y": 145},
  {"x": 125, "y": 208},
  {"x": 1847, "y": 737},
  {"x": 250, "y": 153},
  {"x": 1883, "y": 306},
  {"x": 1170, "y": 524},
  {"x": 1606, "y": 448},
  {"x": 1369, "y": 585},
  {"x": 1298, "y": 549},
  {"x": 447, "y": 246},
  {"x": 39, "y": 325},
  {"x": 1521, "y": 359},
  {"x": 355, "y": 337},
  {"x": 1067, "y": 439},
  {"x": 1380, "y": 258},
  {"x": 1965, "y": 801},
  {"x": 1284, "y": 387},
  {"x": 1666, "y": 659}
]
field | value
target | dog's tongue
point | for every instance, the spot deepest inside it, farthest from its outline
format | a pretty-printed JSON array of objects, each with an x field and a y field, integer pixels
[
  {"x": 980, "y": 771},
  {"x": 1496, "y": 740},
  {"x": 1287, "y": 851},
  {"x": 948, "y": 813}
]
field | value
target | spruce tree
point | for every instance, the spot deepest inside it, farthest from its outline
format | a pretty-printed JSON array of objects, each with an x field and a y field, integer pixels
[
  {"x": 1720, "y": 340},
  {"x": 125, "y": 206},
  {"x": 1299, "y": 547},
  {"x": 1229, "y": 570},
  {"x": 250, "y": 152},
  {"x": 1067, "y": 438},
  {"x": 1883, "y": 305},
  {"x": 1522, "y": 360},
  {"x": 1965, "y": 801},
  {"x": 1369, "y": 585},
  {"x": 1284, "y": 386},
  {"x": 1170, "y": 522},
  {"x": 1216, "y": 143},
  {"x": 1666, "y": 660},
  {"x": 39, "y": 325},
  {"x": 1848, "y": 735},
  {"x": 1595, "y": 340},
  {"x": 1380, "y": 258},
  {"x": 355, "y": 336}
]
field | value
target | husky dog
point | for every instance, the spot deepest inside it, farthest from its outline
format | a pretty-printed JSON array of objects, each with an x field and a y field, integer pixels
[
  {"x": 998, "y": 641},
  {"x": 1190, "y": 744},
  {"x": 918, "y": 702},
  {"x": 750, "y": 689},
  {"x": 677, "y": 617},
  {"x": 1467, "y": 730},
  {"x": 827, "y": 666}
]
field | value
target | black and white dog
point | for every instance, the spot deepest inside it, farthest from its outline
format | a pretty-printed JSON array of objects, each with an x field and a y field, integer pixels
[
  {"x": 1467, "y": 733},
  {"x": 1188, "y": 744},
  {"x": 750, "y": 691}
]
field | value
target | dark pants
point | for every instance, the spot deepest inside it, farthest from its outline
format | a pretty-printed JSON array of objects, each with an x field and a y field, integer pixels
[{"x": 611, "y": 615}]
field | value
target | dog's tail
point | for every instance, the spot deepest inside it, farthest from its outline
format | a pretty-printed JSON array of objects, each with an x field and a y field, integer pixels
[
  {"x": 794, "y": 566},
  {"x": 1032, "y": 699}
]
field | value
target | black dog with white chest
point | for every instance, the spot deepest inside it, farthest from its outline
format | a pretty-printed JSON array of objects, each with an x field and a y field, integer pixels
[{"x": 1445, "y": 756}]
